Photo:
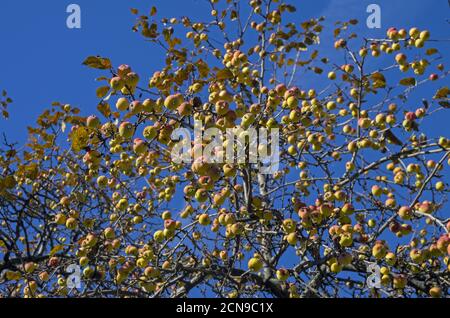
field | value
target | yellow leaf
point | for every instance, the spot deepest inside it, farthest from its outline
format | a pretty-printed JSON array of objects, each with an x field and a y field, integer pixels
[
  {"x": 102, "y": 91},
  {"x": 80, "y": 138},
  {"x": 379, "y": 81},
  {"x": 224, "y": 74},
  {"x": 97, "y": 62},
  {"x": 56, "y": 249},
  {"x": 409, "y": 81},
  {"x": 442, "y": 92},
  {"x": 431, "y": 51}
]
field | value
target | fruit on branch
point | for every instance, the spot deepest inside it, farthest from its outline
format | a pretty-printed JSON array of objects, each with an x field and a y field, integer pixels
[
  {"x": 379, "y": 250},
  {"x": 172, "y": 102},
  {"x": 255, "y": 264},
  {"x": 282, "y": 274},
  {"x": 126, "y": 130},
  {"x": 93, "y": 122},
  {"x": 139, "y": 146},
  {"x": 122, "y": 104},
  {"x": 435, "y": 292}
]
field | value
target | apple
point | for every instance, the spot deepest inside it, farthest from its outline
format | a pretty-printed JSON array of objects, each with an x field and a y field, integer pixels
[
  {"x": 391, "y": 259},
  {"x": 60, "y": 219},
  {"x": 424, "y": 35},
  {"x": 71, "y": 223},
  {"x": 435, "y": 292},
  {"x": 400, "y": 58},
  {"x": 331, "y": 75},
  {"x": 404, "y": 213},
  {"x": 158, "y": 236},
  {"x": 122, "y": 104},
  {"x": 172, "y": 102},
  {"x": 131, "y": 79},
  {"x": 150, "y": 132},
  {"x": 346, "y": 240},
  {"x": 30, "y": 267},
  {"x": 440, "y": 186},
  {"x": 399, "y": 281},
  {"x": 289, "y": 225},
  {"x": 291, "y": 238},
  {"x": 185, "y": 109},
  {"x": 93, "y": 122},
  {"x": 123, "y": 70},
  {"x": 336, "y": 267},
  {"x": 116, "y": 83},
  {"x": 139, "y": 146},
  {"x": 201, "y": 195},
  {"x": 282, "y": 274},
  {"x": 135, "y": 107},
  {"x": 348, "y": 209},
  {"x": 126, "y": 130},
  {"x": 204, "y": 219},
  {"x": 379, "y": 251},
  {"x": 255, "y": 264},
  {"x": 109, "y": 233},
  {"x": 376, "y": 191}
]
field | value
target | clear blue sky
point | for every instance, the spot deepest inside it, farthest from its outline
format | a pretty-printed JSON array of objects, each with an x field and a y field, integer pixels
[{"x": 41, "y": 57}]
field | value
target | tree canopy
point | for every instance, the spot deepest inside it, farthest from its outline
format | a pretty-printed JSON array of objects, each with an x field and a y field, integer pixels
[{"x": 357, "y": 207}]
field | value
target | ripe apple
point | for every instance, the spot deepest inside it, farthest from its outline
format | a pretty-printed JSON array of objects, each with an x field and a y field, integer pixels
[
  {"x": 71, "y": 223},
  {"x": 116, "y": 83},
  {"x": 376, "y": 190},
  {"x": 172, "y": 102},
  {"x": 126, "y": 130},
  {"x": 204, "y": 219},
  {"x": 255, "y": 264},
  {"x": 440, "y": 186},
  {"x": 123, "y": 70},
  {"x": 139, "y": 146},
  {"x": 122, "y": 104},
  {"x": 282, "y": 274}
]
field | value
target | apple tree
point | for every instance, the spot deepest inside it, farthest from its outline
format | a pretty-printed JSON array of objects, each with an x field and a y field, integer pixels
[{"x": 357, "y": 207}]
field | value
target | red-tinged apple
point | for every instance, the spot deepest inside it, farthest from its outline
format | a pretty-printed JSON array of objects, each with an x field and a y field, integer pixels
[
  {"x": 93, "y": 122},
  {"x": 126, "y": 130},
  {"x": 139, "y": 146},
  {"x": 255, "y": 264},
  {"x": 123, "y": 70}
]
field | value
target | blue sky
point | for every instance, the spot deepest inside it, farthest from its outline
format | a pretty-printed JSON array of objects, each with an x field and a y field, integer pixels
[{"x": 41, "y": 57}]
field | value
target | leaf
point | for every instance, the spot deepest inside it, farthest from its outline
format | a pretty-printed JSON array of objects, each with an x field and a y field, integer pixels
[
  {"x": 153, "y": 11},
  {"x": 80, "y": 138},
  {"x": 134, "y": 11},
  {"x": 431, "y": 51},
  {"x": 379, "y": 81},
  {"x": 102, "y": 91},
  {"x": 444, "y": 104},
  {"x": 105, "y": 109},
  {"x": 97, "y": 62},
  {"x": 63, "y": 126},
  {"x": 203, "y": 68},
  {"x": 224, "y": 74},
  {"x": 56, "y": 249},
  {"x": 409, "y": 81},
  {"x": 442, "y": 93}
]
